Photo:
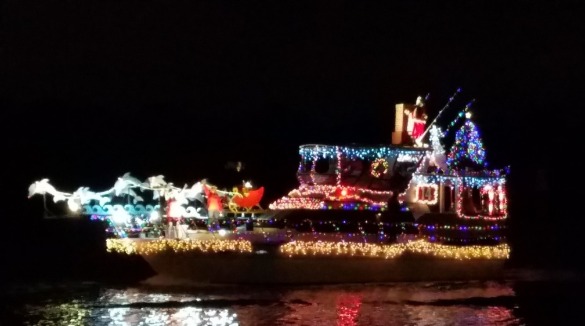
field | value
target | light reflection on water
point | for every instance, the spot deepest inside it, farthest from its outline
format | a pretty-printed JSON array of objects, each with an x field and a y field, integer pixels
[{"x": 382, "y": 304}]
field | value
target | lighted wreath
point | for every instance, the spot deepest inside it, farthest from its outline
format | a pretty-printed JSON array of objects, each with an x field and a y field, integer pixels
[{"x": 379, "y": 167}]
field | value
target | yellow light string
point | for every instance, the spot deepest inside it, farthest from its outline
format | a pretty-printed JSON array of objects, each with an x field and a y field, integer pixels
[
  {"x": 146, "y": 247},
  {"x": 312, "y": 248},
  {"x": 319, "y": 248}
]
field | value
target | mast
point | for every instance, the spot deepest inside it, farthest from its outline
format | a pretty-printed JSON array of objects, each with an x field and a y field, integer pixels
[{"x": 443, "y": 109}]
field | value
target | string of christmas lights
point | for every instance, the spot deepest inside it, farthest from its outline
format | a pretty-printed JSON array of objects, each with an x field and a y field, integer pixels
[
  {"x": 311, "y": 152},
  {"x": 468, "y": 150},
  {"x": 322, "y": 196},
  {"x": 147, "y": 247},
  {"x": 389, "y": 251},
  {"x": 313, "y": 248}
]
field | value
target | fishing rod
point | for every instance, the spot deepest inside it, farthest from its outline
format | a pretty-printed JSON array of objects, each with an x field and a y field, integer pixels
[{"x": 443, "y": 109}]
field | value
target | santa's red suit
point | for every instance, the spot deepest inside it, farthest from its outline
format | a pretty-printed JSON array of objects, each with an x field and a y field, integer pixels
[
  {"x": 419, "y": 124},
  {"x": 213, "y": 199},
  {"x": 417, "y": 120},
  {"x": 214, "y": 205}
]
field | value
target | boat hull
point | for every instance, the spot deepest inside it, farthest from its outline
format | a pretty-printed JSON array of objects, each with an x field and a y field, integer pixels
[{"x": 274, "y": 268}]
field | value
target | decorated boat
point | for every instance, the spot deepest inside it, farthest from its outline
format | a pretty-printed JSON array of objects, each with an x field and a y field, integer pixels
[{"x": 405, "y": 211}]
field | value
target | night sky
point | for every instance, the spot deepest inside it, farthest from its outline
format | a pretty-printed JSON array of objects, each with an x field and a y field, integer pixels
[{"x": 89, "y": 91}]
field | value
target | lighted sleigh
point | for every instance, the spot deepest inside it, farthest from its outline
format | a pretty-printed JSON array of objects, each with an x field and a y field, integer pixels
[{"x": 247, "y": 201}]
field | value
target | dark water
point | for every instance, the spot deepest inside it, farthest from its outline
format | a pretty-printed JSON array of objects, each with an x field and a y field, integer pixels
[{"x": 534, "y": 300}]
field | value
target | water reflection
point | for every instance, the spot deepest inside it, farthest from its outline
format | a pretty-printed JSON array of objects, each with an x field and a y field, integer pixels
[
  {"x": 348, "y": 308},
  {"x": 382, "y": 304},
  {"x": 68, "y": 314}
]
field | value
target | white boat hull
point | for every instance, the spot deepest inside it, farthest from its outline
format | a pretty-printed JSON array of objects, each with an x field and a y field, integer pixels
[{"x": 274, "y": 268}]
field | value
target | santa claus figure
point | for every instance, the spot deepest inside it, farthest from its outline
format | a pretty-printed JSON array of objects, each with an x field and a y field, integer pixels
[
  {"x": 417, "y": 119},
  {"x": 214, "y": 204}
]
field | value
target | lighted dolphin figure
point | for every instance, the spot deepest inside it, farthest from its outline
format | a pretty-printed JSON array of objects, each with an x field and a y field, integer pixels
[
  {"x": 83, "y": 196},
  {"x": 158, "y": 185},
  {"x": 156, "y": 181},
  {"x": 135, "y": 197},
  {"x": 43, "y": 187},
  {"x": 126, "y": 182}
]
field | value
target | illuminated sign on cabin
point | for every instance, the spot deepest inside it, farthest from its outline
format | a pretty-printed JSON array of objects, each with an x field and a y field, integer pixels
[{"x": 427, "y": 194}]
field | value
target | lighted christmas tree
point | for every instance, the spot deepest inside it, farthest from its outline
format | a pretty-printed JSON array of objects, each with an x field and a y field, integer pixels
[{"x": 468, "y": 150}]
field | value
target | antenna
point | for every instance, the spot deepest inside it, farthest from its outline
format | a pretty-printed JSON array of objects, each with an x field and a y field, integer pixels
[
  {"x": 459, "y": 115},
  {"x": 443, "y": 109}
]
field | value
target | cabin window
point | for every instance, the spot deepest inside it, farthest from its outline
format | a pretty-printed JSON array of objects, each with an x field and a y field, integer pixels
[
  {"x": 306, "y": 165},
  {"x": 447, "y": 198},
  {"x": 322, "y": 165},
  {"x": 351, "y": 167},
  {"x": 485, "y": 201},
  {"x": 470, "y": 202},
  {"x": 493, "y": 201}
]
